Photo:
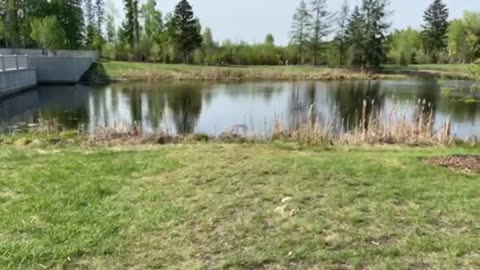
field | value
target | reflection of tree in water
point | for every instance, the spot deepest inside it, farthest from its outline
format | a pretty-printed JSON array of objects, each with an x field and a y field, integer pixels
[
  {"x": 350, "y": 98},
  {"x": 67, "y": 120},
  {"x": 267, "y": 90},
  {"x": 300, "y": 103},
  {"x": 154, "y": 112},
  {"x": 426, "y": 105},
  {"x": 185, "y": 101}
]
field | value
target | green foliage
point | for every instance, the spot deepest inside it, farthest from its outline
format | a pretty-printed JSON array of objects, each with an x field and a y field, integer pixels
[
  {"x": 464, "y": 38},
  {"x": 435, "y": 28},
  {"x": 130, "y": 31},
  {"x": 270, "y": 40},
  {"x": 406, "y": 43},
  {"x": 100, "y": 15},
  {"x": 354, "y": 37},
  {"x": 341, "y": 40},
  {"x": 299, "y": 35},
  {"x": 153, "y": 21},
  {"x": 374, "y": 29},
  {"x": 320, "y": 26},
  {"x": 187, "y": 36},
  {"x": 48, "y": 33},
  {"x": 111, "y": 32}
]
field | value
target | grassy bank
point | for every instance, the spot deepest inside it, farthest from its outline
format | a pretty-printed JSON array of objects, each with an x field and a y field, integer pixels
[
  {"x": 125, "y": 71},
  {"x": 232, "y": 206}
]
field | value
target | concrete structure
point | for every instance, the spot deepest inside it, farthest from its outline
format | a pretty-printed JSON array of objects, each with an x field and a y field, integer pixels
[
  {"x": 60, "y": 69},
  {"x": 60, "y": 53},
  {"x": 23, "y": 68},
  {"x": 15, "y": 74}
]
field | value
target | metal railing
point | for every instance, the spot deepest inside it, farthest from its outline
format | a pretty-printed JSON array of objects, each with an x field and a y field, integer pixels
[{"x": 13, "y": 62}]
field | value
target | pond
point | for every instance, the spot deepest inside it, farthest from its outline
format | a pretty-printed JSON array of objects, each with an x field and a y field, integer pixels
[{"x": 256, "y": 107}]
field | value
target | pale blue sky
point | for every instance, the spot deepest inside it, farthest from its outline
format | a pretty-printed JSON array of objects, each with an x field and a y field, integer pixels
[{"x": 252, "y": 20}]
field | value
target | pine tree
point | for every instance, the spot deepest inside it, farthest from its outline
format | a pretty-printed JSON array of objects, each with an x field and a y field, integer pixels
[
  {"x": 131, "y": 28},
  {"x": 299, "y": 33},
  {"x": 435, "y": 28},
  {"x": 354, "y": 36},
  {"x": 341, "y": 36},
  {"x": 70, "y": 16},
  {"x": 374, "y": 27},
  {"x": 320, "y": 26},
  {"x": 111, "y": 32},
  {"x": 270, "y": 40},
  {"x": 187, "y": 30},
  {"x": 100, "y": 15},
  {"x": 11, "y": 23},
  {"x": 90, "y": 23}
]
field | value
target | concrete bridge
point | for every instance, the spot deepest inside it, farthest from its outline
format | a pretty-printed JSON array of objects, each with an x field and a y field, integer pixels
[{"x": 21, "y": 69}]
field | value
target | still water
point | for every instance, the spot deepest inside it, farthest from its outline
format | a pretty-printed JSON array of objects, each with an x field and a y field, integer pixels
[{"x": 185, "y": 107}]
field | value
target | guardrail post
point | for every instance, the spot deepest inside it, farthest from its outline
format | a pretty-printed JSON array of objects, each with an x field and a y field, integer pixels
[
  {"x": 27, "y": 64},
  {"x": 16, "y": 61},
  {"x": 3, "y": 62}
]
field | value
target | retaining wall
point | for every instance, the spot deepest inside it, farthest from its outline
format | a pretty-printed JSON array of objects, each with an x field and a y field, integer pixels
[
  {"x": 60, "y": 69},
  {"x": 13, "y": 81},
  {"x": 38, "y": 52}
]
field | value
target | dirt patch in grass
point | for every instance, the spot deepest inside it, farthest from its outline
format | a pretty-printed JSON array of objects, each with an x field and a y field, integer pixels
[{"x": 467, "y": 163}]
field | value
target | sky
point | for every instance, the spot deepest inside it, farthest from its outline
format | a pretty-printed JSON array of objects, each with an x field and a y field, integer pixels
[{"x": 252, "y": 20}]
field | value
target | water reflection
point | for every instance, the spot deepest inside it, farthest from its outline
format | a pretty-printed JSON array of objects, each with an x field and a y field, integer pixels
[{"x": 185, "y": 107}]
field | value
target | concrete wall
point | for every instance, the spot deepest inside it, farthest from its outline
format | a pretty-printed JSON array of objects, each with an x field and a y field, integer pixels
[
  {"x": 13, "y": 81},
  {"x": 60, "y": 69},
  {"x": 38, "y": 52}
]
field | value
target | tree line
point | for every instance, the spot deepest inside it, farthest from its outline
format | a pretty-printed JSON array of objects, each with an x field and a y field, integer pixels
[{"x": 357, "y": 36}]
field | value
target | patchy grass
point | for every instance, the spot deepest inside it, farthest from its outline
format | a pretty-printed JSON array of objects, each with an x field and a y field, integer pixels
[
  {"x": 250, "y": 206},
  {"x": 128, "y": 71}
]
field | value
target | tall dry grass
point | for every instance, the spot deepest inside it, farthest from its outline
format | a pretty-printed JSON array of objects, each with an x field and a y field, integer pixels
[{"x": 375, "y": 128}]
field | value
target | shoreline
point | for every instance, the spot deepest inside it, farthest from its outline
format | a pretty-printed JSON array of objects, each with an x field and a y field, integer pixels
[{"x": 111, "y": 72}]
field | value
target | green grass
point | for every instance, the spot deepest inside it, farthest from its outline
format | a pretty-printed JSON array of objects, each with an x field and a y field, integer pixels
[
  {"x": 460, "y": 69},
  {"x": 124, "y": 71},
  {"x": 232, "y": 206}
]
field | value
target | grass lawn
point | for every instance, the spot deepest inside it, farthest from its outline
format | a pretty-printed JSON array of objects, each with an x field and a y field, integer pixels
[
  {"x": 232, "y": 206},
  {"x": 122, "y": 71}
]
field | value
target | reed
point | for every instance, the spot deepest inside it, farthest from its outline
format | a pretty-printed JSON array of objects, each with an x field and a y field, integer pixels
[
  {"x": 394, "y": 127},
  {"x": 376, "y": 128}
]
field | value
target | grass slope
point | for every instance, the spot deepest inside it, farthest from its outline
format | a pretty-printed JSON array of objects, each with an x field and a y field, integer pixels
[
  {"x": 122, "y": 71},
  {"x": 217, "y": 206}
]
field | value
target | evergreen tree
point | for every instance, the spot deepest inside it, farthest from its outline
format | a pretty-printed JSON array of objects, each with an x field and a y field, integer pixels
[
  {"x": 90, "y": 23},
  {"x": 435, "y": 28},
  {"x": 341, "y": 36},
  {"x": 70, "y": 16},
  {"x": 100, "y": 15},
  {"x": 299, "y": 33},
  {"x": 374, "y": 29},
  {"x": 207, "y": 38},
  {"x": 111, "y": 32},
  {"x": 354, "y": 36},
  {"x": 187, "y": 30},
  {"x": 320, "y": 26},
  {"x": 270, "y": 40},
  {"x": 131, "y": 28}
]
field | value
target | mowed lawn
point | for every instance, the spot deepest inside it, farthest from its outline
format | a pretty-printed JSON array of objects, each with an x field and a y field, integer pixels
[{"x": 233, "y": 206}]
